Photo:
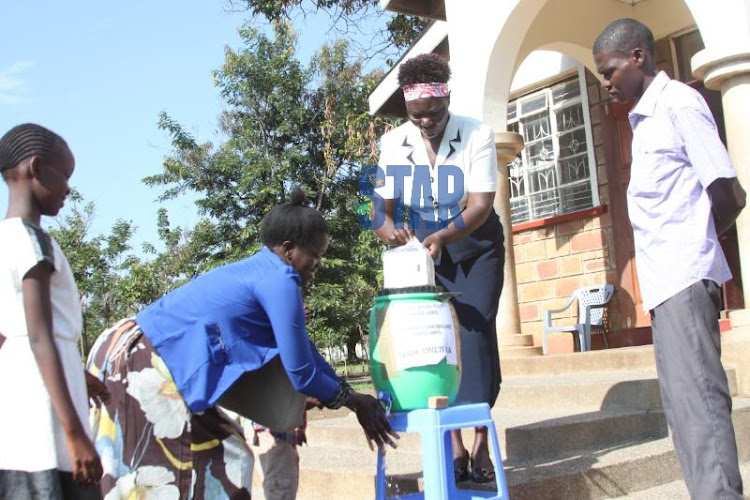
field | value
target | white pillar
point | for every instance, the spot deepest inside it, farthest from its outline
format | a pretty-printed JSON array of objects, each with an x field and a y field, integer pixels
[
  {"x": 507, "y": 145},
  {"x": 728, "y": 70}
]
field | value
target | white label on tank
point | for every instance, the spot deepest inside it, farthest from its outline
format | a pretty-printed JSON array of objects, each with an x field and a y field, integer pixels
[{"x": 422, "y": 333}]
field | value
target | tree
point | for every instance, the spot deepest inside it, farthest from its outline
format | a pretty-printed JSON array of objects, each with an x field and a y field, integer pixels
[
  {"x": 267, "y": 121},
  {"x": 347, "y": 285},
  {"x": 386, "y": 34},
  {"x": 112, "y": 281},
  {"x": 287, "y": 125},
  {"x": 95, "y": 262}
]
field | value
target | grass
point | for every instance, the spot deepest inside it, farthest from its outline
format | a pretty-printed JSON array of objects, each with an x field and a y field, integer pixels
[
  {"x": 357, "y": 374},
  {"x": 363, "y": 385},
  {"x": 347, "y": 369}
]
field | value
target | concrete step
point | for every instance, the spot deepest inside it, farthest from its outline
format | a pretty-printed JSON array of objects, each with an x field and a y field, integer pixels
[
  {"x": 676, "y": 490},
  {"x": 518, "y": 351},
  {"x": 528, "y": 436},
  {"x": 632, "y": 389},
  {"x": 624, "y": 358},
  {"x": 600, "y": 390},
  {"x": 549, "y": 416},
  {"x": 620, "y": 471},
  {"x": 735, "y": 345},
  {"x": 740, "y": 318},
  {"x": 582, "y": 425},
  {"x": 517, "y": 339},
  {"x": 605, "y": 471},
  {"x": 346, "y": 433},
  {"x": 735, "y": 351},
  {"x": 569, "y": 436},
  {"x": 335, "y": 473},
  {"x": 524, "y": 435}
]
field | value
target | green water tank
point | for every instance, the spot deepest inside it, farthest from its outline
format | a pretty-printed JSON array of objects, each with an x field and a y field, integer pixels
[{"x": 415, "y": 351}]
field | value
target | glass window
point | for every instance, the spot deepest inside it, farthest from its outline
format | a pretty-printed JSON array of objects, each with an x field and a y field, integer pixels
[
  {"x": 552, "y": 175},
  {"x": 512, "y": 111}
]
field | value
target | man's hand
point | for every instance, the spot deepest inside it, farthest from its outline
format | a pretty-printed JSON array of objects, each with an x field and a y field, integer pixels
[{"x": 727, "y": 201}]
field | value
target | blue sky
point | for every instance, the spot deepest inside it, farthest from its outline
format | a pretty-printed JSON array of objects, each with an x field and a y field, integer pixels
[{"x": 99, "y": 73}]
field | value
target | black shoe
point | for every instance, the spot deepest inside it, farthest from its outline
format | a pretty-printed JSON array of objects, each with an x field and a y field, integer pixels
[
  {"x": 461, "y": 468},
  {"x": 482, "y": 475}
]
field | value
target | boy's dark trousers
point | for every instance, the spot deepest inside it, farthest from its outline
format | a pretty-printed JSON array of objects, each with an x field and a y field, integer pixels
[{"x": 694, "y": 391}]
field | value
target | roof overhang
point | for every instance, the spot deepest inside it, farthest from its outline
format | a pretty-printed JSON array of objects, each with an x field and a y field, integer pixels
[
  {"x": 387, "y": 98},
  {"x": 431, "y": 9}
]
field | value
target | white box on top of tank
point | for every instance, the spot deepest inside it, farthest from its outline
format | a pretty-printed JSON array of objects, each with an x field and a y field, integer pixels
[{"x": 408, "y": 265}]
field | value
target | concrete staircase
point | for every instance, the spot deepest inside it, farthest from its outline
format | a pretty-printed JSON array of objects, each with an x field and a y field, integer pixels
[
  {"x": 518, "y": 345},
  {"x": 573, "y": 426}
]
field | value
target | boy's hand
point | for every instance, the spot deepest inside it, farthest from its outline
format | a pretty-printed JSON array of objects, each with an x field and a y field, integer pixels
[
  {"x": 87, "y": 468},
  {"x": 96, "y": 389}
]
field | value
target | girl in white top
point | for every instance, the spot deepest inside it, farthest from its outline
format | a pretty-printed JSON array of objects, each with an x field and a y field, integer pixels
[{"x": 45, "y": 449}]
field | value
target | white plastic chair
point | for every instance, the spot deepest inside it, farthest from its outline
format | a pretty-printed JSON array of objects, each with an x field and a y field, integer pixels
[{"x": 592, "y": 301}]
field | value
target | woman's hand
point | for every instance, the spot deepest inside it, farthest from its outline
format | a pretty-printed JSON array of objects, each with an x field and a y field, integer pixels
[
  {"x": 311, "y": 403},
  {"x": 400, "y": 237},
  {"x": 371, "y": 416},
  {"x": 434, "y": 243},
  {"x": 387, "y": 230},
  {"x": 87, "y": 468},
  {"x": 96, "y": 389}
]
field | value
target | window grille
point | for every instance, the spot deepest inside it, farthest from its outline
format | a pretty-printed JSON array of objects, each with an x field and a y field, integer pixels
[{"x": 555, "y": 173}]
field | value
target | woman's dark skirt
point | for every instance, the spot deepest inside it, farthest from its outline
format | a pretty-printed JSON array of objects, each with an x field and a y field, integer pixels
[{"x": 479, "y": 280}]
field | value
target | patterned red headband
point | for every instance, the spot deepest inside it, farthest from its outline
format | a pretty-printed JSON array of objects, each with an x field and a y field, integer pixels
[{"x": 425, "y": 90}]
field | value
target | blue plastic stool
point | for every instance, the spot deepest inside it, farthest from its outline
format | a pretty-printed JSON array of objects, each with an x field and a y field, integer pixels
[{"x": 437, "y": 460}]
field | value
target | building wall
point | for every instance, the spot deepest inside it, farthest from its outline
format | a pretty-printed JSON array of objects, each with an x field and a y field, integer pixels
[
  {"x": 489, "y": 40},
  {"x": 555, "y": 260}
]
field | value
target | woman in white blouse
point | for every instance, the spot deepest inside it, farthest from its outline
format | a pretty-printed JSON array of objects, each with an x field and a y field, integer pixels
[{"x": 439, "y": 185}]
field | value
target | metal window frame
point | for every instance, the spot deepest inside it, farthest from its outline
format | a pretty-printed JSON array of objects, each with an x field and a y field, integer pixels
[{"x": 551, "y": 107}]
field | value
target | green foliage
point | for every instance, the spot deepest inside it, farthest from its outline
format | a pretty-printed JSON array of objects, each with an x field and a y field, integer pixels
[
  {"x": 345, "y": 287},
  {"x": 268, "y": 121},
  {"x": 350, "y": 18},
  {"x": 97, "y": 264},
  {"x": 404, "y": 30},
  {"x": 274, "y": 10},
  {"x": 113, "y": 282},
  {"x": 287, "y": 125}
]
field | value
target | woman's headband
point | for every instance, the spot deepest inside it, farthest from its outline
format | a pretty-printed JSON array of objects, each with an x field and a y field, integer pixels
[{"x": 425, "y": 90}]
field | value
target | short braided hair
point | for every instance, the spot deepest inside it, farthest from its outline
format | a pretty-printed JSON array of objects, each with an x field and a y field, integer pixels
[
  {"x": 25, "y": 140},
  {"x": 424, "y": 68},
  {"x": 621, "y": 36}
]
